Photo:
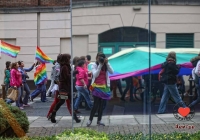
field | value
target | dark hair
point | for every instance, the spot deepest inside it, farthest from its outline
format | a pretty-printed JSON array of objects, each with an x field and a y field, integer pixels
[
  {"x": 75, "y": 60},
  {"x": 20, "y": 63},
  {"x": 13, "y": 65},
  {"x": 82, "y": 58},
  {"x": 65, "y": 59},
  {"x": 58, "y": 58},
  {"x": 81, "y": 63},
  {"x": 104, "y": 56},
  {"x": 8, "y": 65},
  {"x": 88, "y": 57}
]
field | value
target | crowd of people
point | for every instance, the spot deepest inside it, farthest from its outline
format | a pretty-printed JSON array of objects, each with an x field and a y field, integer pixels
[{"x": 91, "y": 80}]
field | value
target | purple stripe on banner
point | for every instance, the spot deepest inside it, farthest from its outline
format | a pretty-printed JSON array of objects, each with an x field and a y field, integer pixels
[{"x": 185, "y": 70}]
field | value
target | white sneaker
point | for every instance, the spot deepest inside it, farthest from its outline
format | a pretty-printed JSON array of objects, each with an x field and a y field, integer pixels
[{"x": 22, "y": 108}]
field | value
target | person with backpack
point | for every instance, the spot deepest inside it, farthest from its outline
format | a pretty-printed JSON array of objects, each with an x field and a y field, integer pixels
[
  {"x": 196, "y": 77},
  {"x": 168, "y": 76}
]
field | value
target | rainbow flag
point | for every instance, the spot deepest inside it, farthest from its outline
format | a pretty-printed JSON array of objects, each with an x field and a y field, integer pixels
[
  {"x": 40, "y": 74},
  {"x": 9, "y": 49},
  {"x": 42, "y": 57}
]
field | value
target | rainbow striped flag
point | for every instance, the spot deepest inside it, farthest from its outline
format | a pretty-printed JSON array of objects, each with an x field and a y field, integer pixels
[
  {"x": 9, "y": 49},
  {"x": 42, "y": 57},
  {"x": 40, "y": 74}
]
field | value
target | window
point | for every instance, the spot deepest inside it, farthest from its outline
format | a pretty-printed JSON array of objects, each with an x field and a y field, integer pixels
[{"x": 179, "y": 40}]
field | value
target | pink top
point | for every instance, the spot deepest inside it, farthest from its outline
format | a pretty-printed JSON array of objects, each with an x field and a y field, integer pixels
[
  {"x": 82, "y": 74},
  {"x": 101, "y": 79},
  {"x": 15, "y": 78}
]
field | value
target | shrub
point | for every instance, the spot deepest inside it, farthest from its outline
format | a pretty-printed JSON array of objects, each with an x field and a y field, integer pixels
[{"x": 5, "y": 128}]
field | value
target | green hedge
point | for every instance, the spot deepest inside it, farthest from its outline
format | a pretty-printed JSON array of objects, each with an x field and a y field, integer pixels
[{"x": 89, "y": 134}]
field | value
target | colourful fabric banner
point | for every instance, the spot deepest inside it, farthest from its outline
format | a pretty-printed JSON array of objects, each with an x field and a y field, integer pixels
[
  {"x": 40, "y": 74},
  {"x": 42, "y": 57},
  {"x": 135, "y": 61},
  {"x": 9, "y": 49}
]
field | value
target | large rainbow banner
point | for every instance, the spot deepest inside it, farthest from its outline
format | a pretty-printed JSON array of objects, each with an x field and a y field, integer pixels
[
  {"x": 135, "y": 61},
  {"x": 40, "y": 74}
]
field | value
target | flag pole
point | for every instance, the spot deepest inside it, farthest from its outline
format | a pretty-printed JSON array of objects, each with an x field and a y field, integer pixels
[{"x": 72, "y": 98}]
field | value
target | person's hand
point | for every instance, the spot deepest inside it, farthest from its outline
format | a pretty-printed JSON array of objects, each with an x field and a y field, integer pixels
[
  {"x": 85, "y": 86},
  {"x": 106, "y": 61},
  {"x": 15, "y": 87}
]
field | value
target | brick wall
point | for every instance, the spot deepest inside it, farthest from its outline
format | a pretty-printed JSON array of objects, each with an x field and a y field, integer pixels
[
  {"x": 18, "y": 3},
  {"x": 32, "y": 3},
  {"x": 54, "y": 2}
]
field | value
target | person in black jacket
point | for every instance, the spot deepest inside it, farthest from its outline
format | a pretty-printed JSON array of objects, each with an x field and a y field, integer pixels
[{"x": 169, "y": 76}]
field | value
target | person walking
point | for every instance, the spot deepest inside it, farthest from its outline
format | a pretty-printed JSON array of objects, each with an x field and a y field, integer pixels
[
  {"x": 40, "y": 79},
  {"x": 168, "y": 76},
  {"x": 25, "y": 86},
  {"x": 16, "y": 83},
  {"x": 55, "y": 71},
  {"x": 64, "y": 86},
  {"x": 81, "y": 85},
  {"x": 7, "y": 75},
  {"x": 100, "y": 86},
  {"x": 196, "y": 77}
]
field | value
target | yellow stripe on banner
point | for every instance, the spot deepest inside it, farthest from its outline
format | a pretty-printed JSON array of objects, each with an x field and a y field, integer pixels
[
  {"x": 99, "y": 86},
  {"x": 12, "y": 121},
  {"x": 157, "y": 50}
]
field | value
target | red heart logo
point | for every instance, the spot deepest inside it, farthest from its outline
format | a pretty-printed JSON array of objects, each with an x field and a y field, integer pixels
[{"x": 184, "y": 111}]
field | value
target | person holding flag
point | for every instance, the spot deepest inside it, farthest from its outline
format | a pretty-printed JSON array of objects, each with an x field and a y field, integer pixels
[{"x": 40, "y": 75}]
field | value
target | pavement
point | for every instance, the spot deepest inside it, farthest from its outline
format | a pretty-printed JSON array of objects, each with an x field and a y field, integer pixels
[{"x": 119, "y": 117}]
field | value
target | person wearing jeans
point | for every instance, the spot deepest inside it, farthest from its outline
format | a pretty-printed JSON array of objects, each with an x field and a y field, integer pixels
[
  {"x": 168, "y": 77},
  {"x": 40, "y": 79},
  {"x": 16, "y": 82},
  {"x": 100, "y": 86},
  {"x": 196, "y": 77},
  {"x": 81, "y": 85},
  {"x": 25, "y": 86}
]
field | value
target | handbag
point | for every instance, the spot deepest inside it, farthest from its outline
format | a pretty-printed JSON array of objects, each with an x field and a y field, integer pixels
[
  {"x": 63, "y": 95},
  {"x": 13, "y": 94}
]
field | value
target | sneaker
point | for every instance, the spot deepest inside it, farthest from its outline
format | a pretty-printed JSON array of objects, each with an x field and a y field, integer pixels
[
  {"x": 26, "y": 105},
  {"x": 89, "y": 123},
  {"x": 22, "y": 108},
  {"x": 100, "y": 123}
]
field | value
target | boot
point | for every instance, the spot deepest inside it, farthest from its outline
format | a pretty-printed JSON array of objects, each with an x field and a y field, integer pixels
[
  {"x": 100, "y": 123},
  {"x": 53, "y": 117},
  {"x": 76, "y": 118}
]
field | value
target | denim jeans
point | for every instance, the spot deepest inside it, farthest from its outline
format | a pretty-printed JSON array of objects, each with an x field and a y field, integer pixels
[
  {"x": 82, "y": 93},
  {"x": 40, "y": 89},
  {"x": 173, "y": 91},
  {"x": 18, "y": 102},
  {"x": 198, "y": 96},
  {"x": 25, "y": 87}
]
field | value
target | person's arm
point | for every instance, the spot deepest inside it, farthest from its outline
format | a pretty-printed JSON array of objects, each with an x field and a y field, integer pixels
[
  {"x": 57, "y": 73},
  {"x": 29, "y": 69},
  {"x": 197, "y": 69},
  {"x": 96, "y": 70},
  {"x": 13, "y": 75},
  {"x": 109, "y": 68},
  {"x": 81, "y": 78},
  {"x": 4, "y": 75}
]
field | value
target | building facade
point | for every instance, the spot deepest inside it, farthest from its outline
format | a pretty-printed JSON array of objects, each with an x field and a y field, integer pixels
[{"x": 96, "y": 26}]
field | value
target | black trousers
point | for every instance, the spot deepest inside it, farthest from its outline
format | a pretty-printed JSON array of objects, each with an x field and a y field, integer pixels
[
  {"x": 98, "y": 105},
  {"x": 59, "y": 104}
]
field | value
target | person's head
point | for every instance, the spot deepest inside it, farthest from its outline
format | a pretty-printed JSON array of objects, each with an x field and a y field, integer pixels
[
  {"x": 21, "y": 64},
  {"x": 65, "y": 59},
  {"x": 81, "y": 63},
  {"x": 8, "y": 65},
  {"x": 83, "y": 58},
  {"x": 75, "y": 60},
  {"x": 58, "y": 58},
  {"x": 100, "y": 57},
  {"x": 88, "y": 58},
  {"x": 172, "y": 55},
  {"x": 14, "y": 65}
]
